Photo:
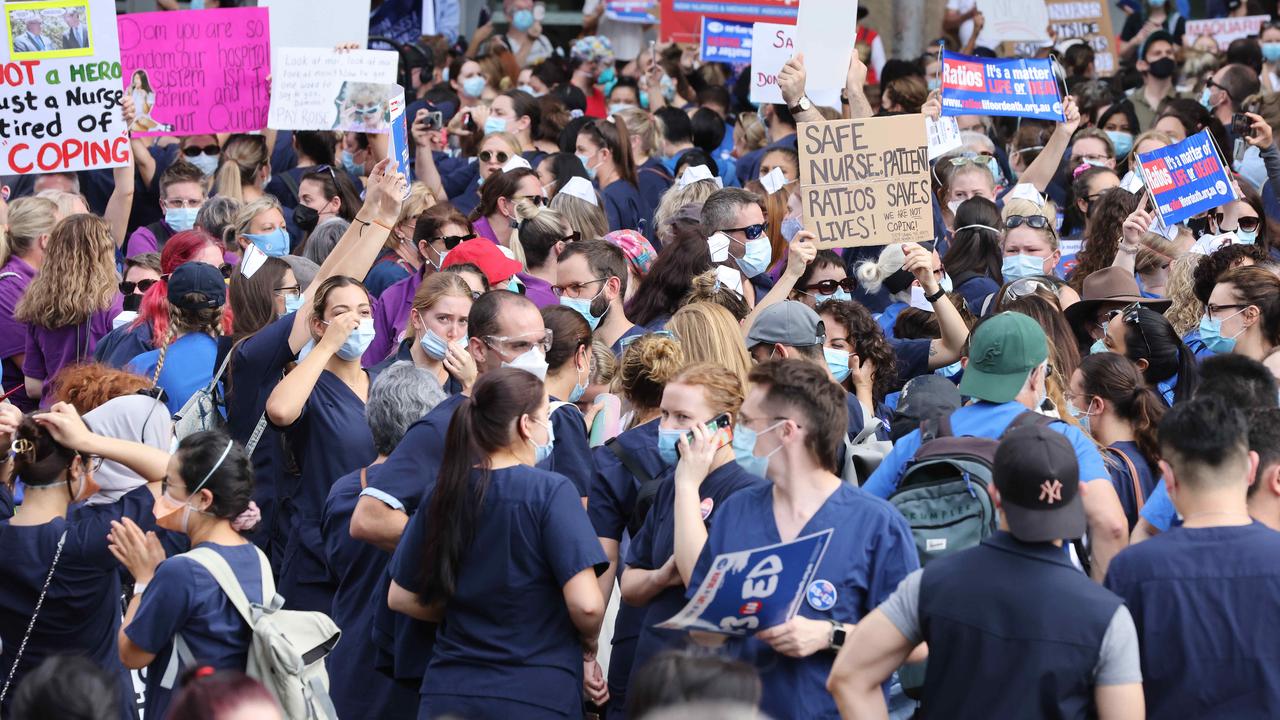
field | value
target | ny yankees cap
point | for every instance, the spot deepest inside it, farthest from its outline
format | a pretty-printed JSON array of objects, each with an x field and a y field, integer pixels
[{"x": 1038, "y": 477}]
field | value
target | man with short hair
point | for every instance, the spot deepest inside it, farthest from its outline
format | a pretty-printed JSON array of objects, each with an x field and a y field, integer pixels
[
  {"x": 76, "y": 36},
  {"x": 1264, "y": 491},
  {"x": 734, "y": 223},
  {"x": 1013, "y": 605},
  {"x": 1205, "y": 596},
  {"x": 1225, "y": 92},
  {"x": 1005, "y": 373},
  {"x": 1159, "y": 68},
  {"x": 677, "y": 136},
  {"x": 33, "y": 40},
  {"x": 591, "y": 277},
  {"x": 182, "y": 194}
]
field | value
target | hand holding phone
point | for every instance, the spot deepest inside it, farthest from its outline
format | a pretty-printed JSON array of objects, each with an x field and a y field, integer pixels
[{"x": 719, "y": 430}]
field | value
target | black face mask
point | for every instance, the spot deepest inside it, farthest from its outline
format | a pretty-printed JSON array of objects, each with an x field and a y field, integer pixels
[
  {"x": 305, "y": 218},
  {"x": 1199, "y": 226},
  {"x": 132, "y": 302},
  {"x": 1163, "y": 68}
]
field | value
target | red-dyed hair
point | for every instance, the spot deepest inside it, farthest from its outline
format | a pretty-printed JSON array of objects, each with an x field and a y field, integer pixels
[
  {"x": 211, "y": 695},
  {"x": 181, "y": 248}
]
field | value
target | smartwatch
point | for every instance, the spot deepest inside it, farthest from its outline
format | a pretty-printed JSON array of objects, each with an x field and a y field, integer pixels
[
  {"x": 836, "y": 640},
  {"x": 936, "y": 296},
  {"x": 801, "y": 105}
]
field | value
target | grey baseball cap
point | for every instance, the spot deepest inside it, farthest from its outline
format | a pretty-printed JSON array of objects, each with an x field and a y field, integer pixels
[{"x": 789, "y": 323}]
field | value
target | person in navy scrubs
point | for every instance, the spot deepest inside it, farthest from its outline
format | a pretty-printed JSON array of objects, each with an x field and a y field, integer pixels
[
  {"x": 503, "y": 556},
  {"x": 81, "y": 612},
  {"x": 790, "y": 425},
  {"x": 604, "y": 147},
  {"x": 320, "y": 408},
  {"x": 207, "y": 483},
  {"x": 626, "y": 466},
  {"x": 568, "y": 374},
  {"x": 400, "y": 395},
  {"x": 688, "y": 496}
]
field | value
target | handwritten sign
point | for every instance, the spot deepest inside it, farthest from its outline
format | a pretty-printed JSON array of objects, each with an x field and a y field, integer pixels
[
  {"x": 1187, "y": 178},
  {"x": 315, "y": 89},
  {"x": 751, "y": 590},
  {"x": 197, "y": 72},
  {"x": 771, "y": 46},
  {"x": 724, "y": 41},
  {"x": 826, "y": 31},
  {"x": 1224, "y": 30},
  {"x": 60, "y": 110},
  {"x": 399, "y": 145},
  {"x": 682, "y": 19},
  {"x": 1089, "y": 20},
  {"x": 986, "y": 86},
  {"x": 639, "y": 12},
  {"x": 1013, "y": 20},
  {"x": 319, "y": 23},
  {"x": 865, "y": 182}
]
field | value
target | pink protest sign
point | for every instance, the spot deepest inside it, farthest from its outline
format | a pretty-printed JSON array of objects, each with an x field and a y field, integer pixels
[{"x": 194, "y": 72}]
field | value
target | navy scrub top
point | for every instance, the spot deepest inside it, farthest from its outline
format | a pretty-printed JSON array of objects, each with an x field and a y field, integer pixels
[
  {"x": 507, "y": 633},
  {"x": 869, "y": 553},
  {"x": 622, "y": 205},
  {"x": 355, "y": 686},
  {"x": 184, "y": 598},
  {"x": 329, "y": 439},
  {"x": 571, "y": 455}
]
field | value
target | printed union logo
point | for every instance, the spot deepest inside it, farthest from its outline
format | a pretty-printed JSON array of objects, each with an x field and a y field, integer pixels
[
  {"x": 964, "y": 75},
  {"x": 1220, "y": 187},
  {"x": 715, "y": 27},
  {"x": 821, "y": 595}
]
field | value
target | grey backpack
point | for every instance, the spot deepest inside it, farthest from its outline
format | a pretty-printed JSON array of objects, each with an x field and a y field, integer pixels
[{"x": 288, "y": 648}]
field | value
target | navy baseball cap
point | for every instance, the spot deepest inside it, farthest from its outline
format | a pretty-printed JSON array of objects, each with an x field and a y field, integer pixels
[{"x": 196, "y": 286}]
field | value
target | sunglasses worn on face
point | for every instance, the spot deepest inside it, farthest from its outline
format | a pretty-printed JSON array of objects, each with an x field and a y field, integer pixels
[
  {"x": 499, "y": 156},
  {"x": 537, "y": 200},
  {"x": 196, "y": 151},
  {"x": 127, "y": 287},
  {"x": 1247, "y": 224},
  {"x": 452, "y": 241},
  {"x": 828, "y": 287},
  {"x": 751, "y": 231}
]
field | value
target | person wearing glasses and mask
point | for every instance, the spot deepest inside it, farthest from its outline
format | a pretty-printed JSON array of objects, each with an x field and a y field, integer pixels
[
  {"x": 1030, "y": 244},
  {"x": 734, "y": 223},
  {"x": 591, "y": 278},
  {"x": 439, "y": 230},
  {"x": 824, "y": 279},
  {"x": 1146, "y": 337},
  {"x": 495, "y": 217},
  {"x": 140, "y": 273},
  {"x": 182, "y": 194},
  {"x": 496, "y": 150}
]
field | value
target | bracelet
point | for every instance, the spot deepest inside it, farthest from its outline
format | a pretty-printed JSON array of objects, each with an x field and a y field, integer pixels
[
  {"x": 367, "y": 223},
  {"x": 936, "y": 296},
  {"x": 1130, "y": 249}
]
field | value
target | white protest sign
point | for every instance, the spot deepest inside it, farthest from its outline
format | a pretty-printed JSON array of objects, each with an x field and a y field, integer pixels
[
  {"x": 314, "y": 89},
  {"x": 943, "y": 134},
  {"x": 428, "y": 17},
  {"x": 1224, "y": 30},
  {"x": 1013, "y": 21},
  {"x": 826, "y": 31},
  {"x": 62, "y": 67},
  {"x": 772, "y": 46},
  {"x": 318, "y": 23}
]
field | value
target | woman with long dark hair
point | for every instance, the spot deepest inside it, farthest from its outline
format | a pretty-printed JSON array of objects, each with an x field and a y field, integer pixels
[
  {"x": 1146, "y": 337},
  {"x": 684, "y": 256},
  {"x": 974, "y": 257},
  {"x": 516, "y": 624}
]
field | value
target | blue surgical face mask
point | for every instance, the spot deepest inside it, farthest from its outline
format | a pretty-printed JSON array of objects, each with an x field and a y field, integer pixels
[
  {"x": 473, "y": 86},
  {"x": 996, "y": 174},
  {"x": 514, "y": 285},
  {"x": 529, "y": 89},
  {"x": 292, "y": 303},
  {"x": 744, "y": 448},
  {"x": 616, "y": 108},
  {"x": 1081, "y": 416},
  {"x": 1211, "y": 334},
  {"x": 358, "y": 341},
  {"x": 1206, "y": 101},
  {"x": 756, "y": 258},
  {"x": 274, "y": 243},
  {"x": 207, "y": 164},
  {"x": 839, "y": 295},
  {"x": 644, "y": 99},
  {"x": 494, "y": 125},
  {"x": 667, "y": 440},
  {"x": 434, "y": 345},
  {"x": 522, "y": 20},
  {"x": 1016, "y": 267},
  {"x": 583, "y": 307},
  {"x": 586, "y": 163},
  {"x": 1122, "y": 141},
  {"x": 1271, "y": 52},
  {"x": 837, "y": 363},
  {"x": 181, "y": 218},
  {"x": 1246, "y": 237},
  {"x": 607, "y": 76},
  {"x": 353, "y": 168},
  {"x": 542, "y": 452},
  {"x": 1098, "y": 346},
  {"x": 577, "y": 392},
  {"x": 935, "y": 83},
  {"x": 790, "y": 226}
]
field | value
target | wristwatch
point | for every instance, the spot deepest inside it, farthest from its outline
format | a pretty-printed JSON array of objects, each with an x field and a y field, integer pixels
[
  {"x": 801, "y": 105},
  {"x": 936, "y": 296},
  {"x": 836, "y": 640}
]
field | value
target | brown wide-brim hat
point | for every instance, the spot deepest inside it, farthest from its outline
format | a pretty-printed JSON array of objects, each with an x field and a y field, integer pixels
[{"x": 1109, "y": 285}]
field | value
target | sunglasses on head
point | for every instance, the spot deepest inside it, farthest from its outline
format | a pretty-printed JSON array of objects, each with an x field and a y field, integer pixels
[
  {"x": 499, "y": 156},
  {"x": 128, "y": 286},
  {"x": 196, "y": 151},
  {"x": 751, "y": 231},
  {"x": 828, "y": 287},
  {"x": 1039, "y": 222},
  {"x": 452, "y": 241}
]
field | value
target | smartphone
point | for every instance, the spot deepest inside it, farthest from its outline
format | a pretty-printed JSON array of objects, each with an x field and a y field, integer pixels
[
  {"x": 432, "y": 119},
  {"x": 720, "y": 429},
  {"x": 1241, "y": 125},
  {"x": 485, "y": 16}
]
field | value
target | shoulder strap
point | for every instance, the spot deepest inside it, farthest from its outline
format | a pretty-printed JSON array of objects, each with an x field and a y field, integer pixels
[
  {"x": 1133, "y": 474},
  {"x": 226, "y": 579},
  {"x": 290, "y": 182},
  {"x": 13, "y": 669},
  {"x": 632, "y": 465},
  {"x": 258, "y": 429}
]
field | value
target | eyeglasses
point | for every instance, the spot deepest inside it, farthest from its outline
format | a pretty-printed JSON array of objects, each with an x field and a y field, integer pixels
[
  {"x": 626, "y": 342},
  {"x": 748, "y": 421},
  {"x": 1212, "y": 310},
  {"x": 196, "y": 151},
  {"x": 1039, "y": 222},
  {"x": 127, "y": 287},
  {"x": 751, "y": 231},
  {"x": 828, "y": 287},
  {"x": 290, "y": 291},
  {"x": 514, "y": 346},
  {"x": 499, "y": 156},
  {"x": 452, "y": 241},
  {"x": 537, "y": 200},
  {"x": 574, "y": 288},
  {"x": 180, "y": 204}
]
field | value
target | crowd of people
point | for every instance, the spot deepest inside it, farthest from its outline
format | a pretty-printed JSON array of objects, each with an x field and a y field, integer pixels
[{"x": 494, "y": 420}]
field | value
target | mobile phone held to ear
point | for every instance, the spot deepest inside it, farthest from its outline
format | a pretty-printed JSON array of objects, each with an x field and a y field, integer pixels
[{"x": 720, "y": 429}]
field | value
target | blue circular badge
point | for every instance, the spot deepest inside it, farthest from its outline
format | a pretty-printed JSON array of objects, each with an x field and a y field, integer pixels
[{"x": 821, "y": 595}]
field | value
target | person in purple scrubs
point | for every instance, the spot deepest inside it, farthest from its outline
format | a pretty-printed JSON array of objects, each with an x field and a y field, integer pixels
[
  {"x": 31, "y": 220},
  {"x": 543, "y": 234}
]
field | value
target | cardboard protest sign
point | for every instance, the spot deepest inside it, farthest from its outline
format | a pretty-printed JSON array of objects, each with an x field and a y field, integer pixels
[
  {"x": 772, "y": 46},
  {"x": 987, "y": 86},
  {"x": 197, "y": 72},
  {"x": 639, "y": 12},
  {"x": 399, "y": 145},
  {"x": 1224, "y": 30},
  {"x": 1089, "y": 20},
  {"x": 866, "y": 181},
  {"x": 826, "y": 31},
  {"x": 321, "y": 23},
  {"x": 1187, "y": 178},
  {"x": 724, "y": 41},
  {"x": 751, "y": 590},
  {"x": 313, "y": 89},
  {"x": 61, "y": 66},
  {"x": 682, "y": 19},
  {"x": 1013, "y": 20}
]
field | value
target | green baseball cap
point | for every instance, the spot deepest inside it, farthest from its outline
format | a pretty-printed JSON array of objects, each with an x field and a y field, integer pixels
[{"x": 1001, "y": 353}]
